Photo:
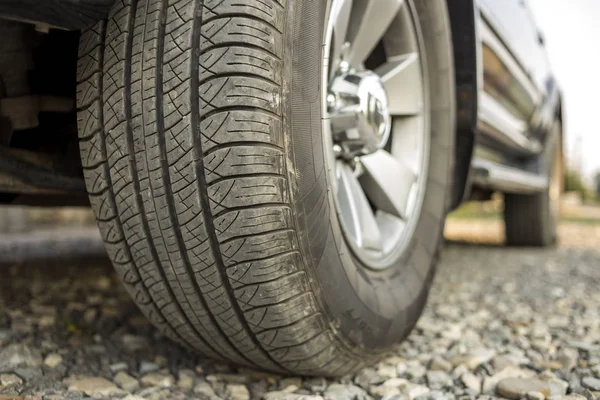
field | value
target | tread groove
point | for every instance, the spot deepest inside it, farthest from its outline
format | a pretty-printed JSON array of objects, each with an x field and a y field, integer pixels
[
  {"x": 202, "y": 185},
  {"x": 167, "y": 181}
]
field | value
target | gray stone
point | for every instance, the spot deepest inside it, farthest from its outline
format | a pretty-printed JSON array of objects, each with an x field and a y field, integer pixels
[
  {"x": 148, "y": 366},
  {"x": 475, "y": 358},
  {"x": 567, "y": 357},
  {"x": 417, "y": 391},
  {"x": 558, "y": 387},
  {"x": 29, "y": 374},
  {"x": 387, "y": 370},
  {"x": 438, "y": 379},
  {"x": 590, "y": 348},
  {"x": 316, "y": 384},
  {"x": 440, "y": 364},
  {"x": 368, "y": 377},
  {"x": 535, "y": 396},
  {"x": 471, "y": 382},
  {"x": 132, "y": 397},
  {"x": 204, "y": 389},
  {"x": 290, "y": 396},
  {"x": 338, "y": 391},
  {"x": 126, "y": 381},
  {"x": 415, "y": 370},
  {"x": 591, "y": 383},
  {"x": 7, "y": 380},
  {"x": 93, "y": 386},
  {"x": 117, "y": 367},
  {"x": 501, "y": 362},
  {"x": 390, "y": 387},
  {"x": 435, "y": 395},
  {"x": 290, "y": 384},
  {"x": 159, "y": 379},
  {"x": 53, "y": 360},
  {"x": 516, "y": 388},
  {"x": 236, "y": 391},
  {"x": 134, "y": 343},
  {"x": 19, "y": 355},
  {"x": 185, "y": 381},
  {"x": 490, "y": 382}
]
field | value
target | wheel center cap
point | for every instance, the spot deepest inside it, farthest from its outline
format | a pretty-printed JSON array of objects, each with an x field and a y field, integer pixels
[
  {"x": 374, "y": 108},
  {"x": 361, "y": 121}
]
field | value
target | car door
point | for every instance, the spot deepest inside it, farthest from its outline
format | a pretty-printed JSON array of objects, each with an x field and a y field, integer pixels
[{"x": 513, "y": 84}]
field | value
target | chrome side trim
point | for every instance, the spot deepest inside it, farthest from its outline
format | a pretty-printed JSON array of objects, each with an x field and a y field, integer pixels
[
  {"x": 490, "y": 175},
  {"x": 490, "y": 38},
  {"x": 495, "y": 120}
]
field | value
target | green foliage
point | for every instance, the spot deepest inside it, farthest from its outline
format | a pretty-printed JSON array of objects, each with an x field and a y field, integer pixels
[{"x": 573, "y": 182}]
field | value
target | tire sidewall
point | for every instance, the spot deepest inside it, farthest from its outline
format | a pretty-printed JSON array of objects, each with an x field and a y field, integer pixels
[{"x": 373, "y": 309}]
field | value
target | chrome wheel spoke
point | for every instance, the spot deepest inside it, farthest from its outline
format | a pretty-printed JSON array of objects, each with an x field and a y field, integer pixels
[
  {"x": 387, "y": 182},
  {"x": 401, "y": 77},
  {"x": 344, "y": 121},
  {"x": 341, "y": 14},
  {"x": 372, "y": 103},
  {"x": 369, "y": 21},
  {"x": 356, "y": 210}
]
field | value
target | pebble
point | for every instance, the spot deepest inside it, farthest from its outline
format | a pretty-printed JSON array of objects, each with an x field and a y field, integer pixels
[
  {"x": 134, "y": 343},
  {"x": 415, "y": 370},
  {"x": 132, "y": 397},
  {"x": 368, "y": 377},
  {"x": 148, "y": 366},
  {"x": 53, "y": 360},
  {"x": 440, "y": 364},
  {"x": 470, "y": 338},
  {"x": 204, "y": 389},
  {"x": 158, "y": 379},
  {"x": 516, "y": 388},
  {"x": 290, "y": 384},
  {"x": 591, "y": 383},
  {"x": 416, "y": 391},
  {"x": 290, "y": 396},
  {"x": 117, "y": 367},
  {"x": 338, "y": 391},
  {"x": 535, "y": 396},
  {"x": 236, "y": 391},
  {"x": 316, "y": 384},
  {"x": 126, "y": 381},
  {"x": 471, "y": 382},
  {"x": 438, "y": 379},
  {"x": 7, "y": 380},
  {"x": 185, "y": 381},
  {"x": 19, "y": 355},
  {"x": 93, "y": 386},
  {"x": 490, "y": 382},
  {"x": 567, "y": 357}
]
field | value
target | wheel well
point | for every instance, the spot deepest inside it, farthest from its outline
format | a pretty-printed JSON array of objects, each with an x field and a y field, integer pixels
[{"x": 463, "y": 21}]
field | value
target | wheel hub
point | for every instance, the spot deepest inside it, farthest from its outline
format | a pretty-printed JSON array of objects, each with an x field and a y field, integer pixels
[{"x": 361, "y": 122}]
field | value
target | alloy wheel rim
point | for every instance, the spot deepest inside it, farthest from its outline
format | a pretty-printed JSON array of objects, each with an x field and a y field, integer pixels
[{"x": 377, "y": 137}]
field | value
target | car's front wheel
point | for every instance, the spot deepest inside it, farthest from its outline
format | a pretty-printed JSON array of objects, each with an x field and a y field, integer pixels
[{"x": 270, "y": 177}]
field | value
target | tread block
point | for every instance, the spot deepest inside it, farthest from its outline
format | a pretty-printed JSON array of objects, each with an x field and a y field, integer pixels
[
  {"x": 239, "y": 91},
  {"x": 247, "y": 191},
  {"x": 231, "y": 127},
  {"x": 243, "y": 160}
]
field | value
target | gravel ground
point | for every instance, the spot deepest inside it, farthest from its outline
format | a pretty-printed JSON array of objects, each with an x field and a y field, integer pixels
[{"x": 513, "y": 323}]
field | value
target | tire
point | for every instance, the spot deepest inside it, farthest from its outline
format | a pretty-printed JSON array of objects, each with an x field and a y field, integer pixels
[
  {"x": 208, "y": 182},
  {"x": 531, "y": 220}
]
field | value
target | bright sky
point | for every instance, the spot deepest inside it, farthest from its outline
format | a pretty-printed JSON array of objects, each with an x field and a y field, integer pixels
[{"x": 572, "y": 32}]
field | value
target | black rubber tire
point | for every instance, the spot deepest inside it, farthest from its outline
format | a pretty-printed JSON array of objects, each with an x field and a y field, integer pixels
[
  {"x": 529, "y": 219},
  {"x": 200, "y": 135}
]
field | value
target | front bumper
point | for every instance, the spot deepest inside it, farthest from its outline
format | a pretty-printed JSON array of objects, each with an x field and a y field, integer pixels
[{"x": 65, "y": 14}]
